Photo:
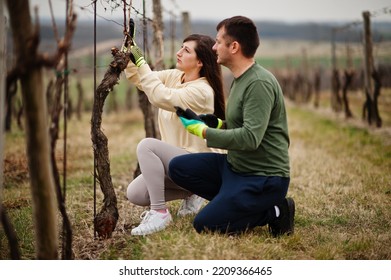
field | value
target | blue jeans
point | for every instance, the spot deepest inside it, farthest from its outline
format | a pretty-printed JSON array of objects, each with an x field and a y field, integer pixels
[{"x": 237, "y": 201}]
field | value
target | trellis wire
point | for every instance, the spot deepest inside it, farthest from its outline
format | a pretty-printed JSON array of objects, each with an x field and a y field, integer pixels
[
  {"x": 373, "y": 14},
  {"x": 137, "y": 12},
  {"x": 94, "y": 101},
  {"x": 66, "y": 97}
]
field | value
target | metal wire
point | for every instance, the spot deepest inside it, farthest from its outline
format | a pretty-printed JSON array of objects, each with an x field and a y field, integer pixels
[
  {"x": 66, "y": 100},
  {"x": 94, "y": 102}
]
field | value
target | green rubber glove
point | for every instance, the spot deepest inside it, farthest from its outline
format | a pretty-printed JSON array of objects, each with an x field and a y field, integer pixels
[
  {"x": 137, "y": 56},
  {"x": 211, "y": 120},
  {"x": 195, "y": 127}
]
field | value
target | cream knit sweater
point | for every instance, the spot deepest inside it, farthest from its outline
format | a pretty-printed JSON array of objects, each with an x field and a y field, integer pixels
[{"x": 166, "y": 90}]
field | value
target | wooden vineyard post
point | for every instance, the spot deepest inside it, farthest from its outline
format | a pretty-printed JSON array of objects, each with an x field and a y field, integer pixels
[
  {"x": 370, "y": 105},
  {"x": 335, "y": 80}
]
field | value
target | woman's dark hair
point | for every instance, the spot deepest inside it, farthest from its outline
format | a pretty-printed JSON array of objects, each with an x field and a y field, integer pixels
[
  {"x": 242, "y": 30},
  {"x": 211, "y": 70}
]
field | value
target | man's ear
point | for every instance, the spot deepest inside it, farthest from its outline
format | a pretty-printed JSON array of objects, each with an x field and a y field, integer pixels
[{"x": 235, "y": 47}]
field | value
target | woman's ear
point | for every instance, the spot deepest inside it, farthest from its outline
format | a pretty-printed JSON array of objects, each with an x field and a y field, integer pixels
[{"x": 199, "y": 63}]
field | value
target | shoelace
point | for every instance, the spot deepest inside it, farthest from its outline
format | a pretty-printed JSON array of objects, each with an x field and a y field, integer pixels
[{"x": 145, "y": 216}]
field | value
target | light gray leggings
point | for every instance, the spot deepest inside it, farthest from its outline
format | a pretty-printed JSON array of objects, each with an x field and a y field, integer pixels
[{"x": 153, "y": 187}]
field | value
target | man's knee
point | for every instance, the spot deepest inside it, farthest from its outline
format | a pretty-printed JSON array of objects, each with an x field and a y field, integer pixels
[
  {"x": 199, "y": 224},
  {"x": 174, "y": 169},
  {"x": 206, "y": 221}
]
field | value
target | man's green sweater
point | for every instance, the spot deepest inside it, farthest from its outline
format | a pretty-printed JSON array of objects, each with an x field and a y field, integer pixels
[{"x": 256, "y": 137}]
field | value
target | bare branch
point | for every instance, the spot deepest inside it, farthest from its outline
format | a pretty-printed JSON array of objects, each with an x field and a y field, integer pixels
[
  {"x": 55, "y": 31},
  {"x": 63, "y": 46}
]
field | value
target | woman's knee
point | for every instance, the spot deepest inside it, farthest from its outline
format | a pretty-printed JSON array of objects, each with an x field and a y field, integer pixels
[
  {"x": 144, "y": 145},
  {"x": 137, "y": 198},
  {"x": 137, "y": 194}
]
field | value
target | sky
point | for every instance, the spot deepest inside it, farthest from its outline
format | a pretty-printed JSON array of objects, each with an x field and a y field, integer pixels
[{"x": 291, "y": 11}]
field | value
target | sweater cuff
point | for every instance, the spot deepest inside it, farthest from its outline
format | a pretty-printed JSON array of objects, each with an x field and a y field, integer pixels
[{"x": 144, "y": 70}]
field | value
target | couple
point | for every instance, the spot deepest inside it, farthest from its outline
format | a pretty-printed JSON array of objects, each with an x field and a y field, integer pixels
[{"x": 236, "y": 158}]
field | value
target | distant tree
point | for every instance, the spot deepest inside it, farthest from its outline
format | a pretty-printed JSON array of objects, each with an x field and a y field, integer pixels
[
  {"x": 80, "y": 94},
  {"x": 4, "y": 220},
  {"x": 28, "y": 70},
  {"x": 38, "y": 148},
  {"x": 150, "y": 112},
  {"x": 347, "y": 81},
  {"x": 336, "y": 102},
  {"x": 54, "y": 128},
  {"x": 317, "y": 84}
]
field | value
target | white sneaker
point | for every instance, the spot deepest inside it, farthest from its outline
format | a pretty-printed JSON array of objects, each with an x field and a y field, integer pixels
[
  {"x": 190, "y": 205},
  {"x": 152, "y": 221}
]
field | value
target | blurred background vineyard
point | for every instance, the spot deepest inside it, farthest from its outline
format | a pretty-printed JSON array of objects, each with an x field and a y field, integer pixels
[
  {"x": 340, "y": 172},
  {"x": 300, "y": 55}
]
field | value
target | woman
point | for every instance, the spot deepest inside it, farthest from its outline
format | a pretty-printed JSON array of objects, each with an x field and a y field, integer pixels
[{"x": 196, "y": 83}]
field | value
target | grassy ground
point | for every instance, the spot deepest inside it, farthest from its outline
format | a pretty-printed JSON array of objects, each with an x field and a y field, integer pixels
[{"x": 341, "y": 182}]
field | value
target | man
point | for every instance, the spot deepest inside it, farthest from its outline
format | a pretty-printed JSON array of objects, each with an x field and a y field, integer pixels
[{"x": 246, "y": 187}]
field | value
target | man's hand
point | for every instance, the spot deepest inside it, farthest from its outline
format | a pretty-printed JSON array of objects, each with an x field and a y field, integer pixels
[
  {"x": 188, "y": 113},
  {"x": 211, "y": 120},
  {"x": 195, "y": 127},
  {"x": 137, "y": 56}
]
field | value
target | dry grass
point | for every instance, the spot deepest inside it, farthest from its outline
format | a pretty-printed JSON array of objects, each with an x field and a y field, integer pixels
[{"x": 341, "y": 182}]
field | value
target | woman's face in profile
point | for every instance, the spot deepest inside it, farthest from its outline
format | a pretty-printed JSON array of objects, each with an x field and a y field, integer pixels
[{"x": 187, "y": 59}]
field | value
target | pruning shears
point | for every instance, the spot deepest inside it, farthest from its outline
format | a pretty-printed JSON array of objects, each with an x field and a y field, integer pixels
[{"x": 128, "y": 37}]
